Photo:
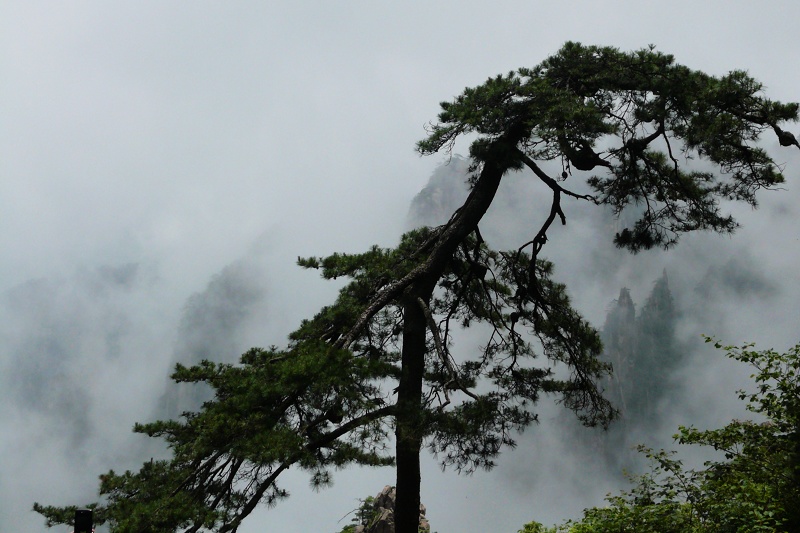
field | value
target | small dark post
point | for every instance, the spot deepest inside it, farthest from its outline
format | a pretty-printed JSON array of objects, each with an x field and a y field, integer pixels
[{"x": 83, "y": 521}]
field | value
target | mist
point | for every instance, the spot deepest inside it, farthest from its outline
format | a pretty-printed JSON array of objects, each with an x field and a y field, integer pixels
[
  {"x": 163, "y": 167},
  {"x": 734, "y": 289}
]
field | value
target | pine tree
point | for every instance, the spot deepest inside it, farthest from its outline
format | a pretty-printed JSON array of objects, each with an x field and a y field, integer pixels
[{"x": 380, "y": 358}]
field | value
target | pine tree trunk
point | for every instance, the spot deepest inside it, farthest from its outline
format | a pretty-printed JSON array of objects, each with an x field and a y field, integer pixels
[{"x": 408, "y": 430}]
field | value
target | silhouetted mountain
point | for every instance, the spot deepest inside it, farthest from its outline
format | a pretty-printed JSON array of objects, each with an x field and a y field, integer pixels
[
  {"x": 444, "y": 193},
  {"x": 210, "y": 329}
]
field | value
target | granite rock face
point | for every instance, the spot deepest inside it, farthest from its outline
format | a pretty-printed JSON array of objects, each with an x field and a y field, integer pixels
[{"x": 382, "y": 520}]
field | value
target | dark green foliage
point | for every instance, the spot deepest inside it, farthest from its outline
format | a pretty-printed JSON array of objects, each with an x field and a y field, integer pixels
[
  {"x": 639, "y": 117},
  {"x": 380, "y": 358},
  {"x": 536, "y": 527},
  {"x": 363, "y": 516},
  {"x": 754, "y": 485},
  {"x": 274, "y": 410}
]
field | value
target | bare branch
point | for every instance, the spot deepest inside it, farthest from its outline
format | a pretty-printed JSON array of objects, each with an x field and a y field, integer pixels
[{"x": 442, "y": 352}]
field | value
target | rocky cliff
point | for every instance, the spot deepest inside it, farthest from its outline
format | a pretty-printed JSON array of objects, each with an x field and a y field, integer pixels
[{"x": 380, "y": 518}]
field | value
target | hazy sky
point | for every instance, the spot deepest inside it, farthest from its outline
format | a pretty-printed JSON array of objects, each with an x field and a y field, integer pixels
[{"x": 163, "y": 164}]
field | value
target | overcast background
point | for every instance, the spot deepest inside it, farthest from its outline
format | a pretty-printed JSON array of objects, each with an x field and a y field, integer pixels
[{"x": 163, "y": 164}]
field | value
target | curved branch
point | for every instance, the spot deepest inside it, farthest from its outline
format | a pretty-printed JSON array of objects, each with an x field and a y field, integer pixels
[
  {"x": 253, "y": 502},
  {"x": 540, "y": 239},
  {"x": 550, "y": 182},
  {"x": 324, "y": 440},
  {"x": 444, "y": 242},
  {"x": 442, "y": 352}
]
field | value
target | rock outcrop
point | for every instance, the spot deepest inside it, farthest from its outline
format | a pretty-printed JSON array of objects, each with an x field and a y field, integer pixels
[{"x": 382, "y": 517}]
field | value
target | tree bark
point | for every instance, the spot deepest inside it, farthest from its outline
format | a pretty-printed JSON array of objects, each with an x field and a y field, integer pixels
[{"x": 409, "y": 422}]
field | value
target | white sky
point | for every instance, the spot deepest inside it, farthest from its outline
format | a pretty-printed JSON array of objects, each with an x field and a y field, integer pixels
[{"x": 184, "y": 136}]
